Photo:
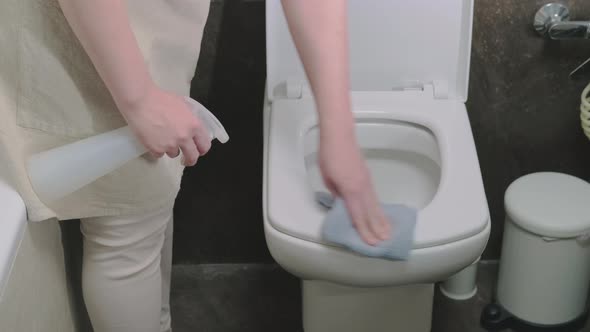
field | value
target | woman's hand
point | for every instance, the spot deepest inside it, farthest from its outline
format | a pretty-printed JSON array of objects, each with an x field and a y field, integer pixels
[
  {"x": 346, "y": 175},
  {"x": 162, "y": 121},
  {"x": 165, "y": 124}
]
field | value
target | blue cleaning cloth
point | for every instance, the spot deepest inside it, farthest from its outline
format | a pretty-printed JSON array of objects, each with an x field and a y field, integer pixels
[{"x": 338, "y": 228}]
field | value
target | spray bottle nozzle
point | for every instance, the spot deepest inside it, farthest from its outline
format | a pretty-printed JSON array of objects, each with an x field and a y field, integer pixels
[{"x": 215, "y": 128}]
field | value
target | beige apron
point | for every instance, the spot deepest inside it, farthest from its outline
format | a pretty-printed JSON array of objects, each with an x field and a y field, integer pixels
[{"x": 50, "y": 95}]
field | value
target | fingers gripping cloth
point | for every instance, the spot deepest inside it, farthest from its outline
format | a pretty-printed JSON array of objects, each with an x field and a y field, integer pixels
[{"x": 339, "y": 229}]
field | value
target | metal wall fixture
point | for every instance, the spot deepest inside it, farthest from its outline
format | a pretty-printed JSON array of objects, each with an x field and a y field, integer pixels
[{"x": 552, "y": 21}]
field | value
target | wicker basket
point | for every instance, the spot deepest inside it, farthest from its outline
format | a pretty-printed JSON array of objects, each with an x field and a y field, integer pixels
[{"x": 585, "y": 111}]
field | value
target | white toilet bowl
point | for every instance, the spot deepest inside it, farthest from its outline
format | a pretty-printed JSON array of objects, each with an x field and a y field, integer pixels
[
  {"x": 420, "y": 151},
  {"x": 435, "y": 154}
]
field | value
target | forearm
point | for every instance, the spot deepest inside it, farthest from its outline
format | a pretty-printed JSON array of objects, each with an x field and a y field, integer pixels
[
  {"x": 319, "y": 30},
  {"x": 105, "y": 33}
]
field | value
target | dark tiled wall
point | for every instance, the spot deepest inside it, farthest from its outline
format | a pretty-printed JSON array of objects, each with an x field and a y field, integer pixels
[
  {"x": 524, "y": 109},
  {"x": 522, "y": 105},
  {"x": 218, "y": 214}
]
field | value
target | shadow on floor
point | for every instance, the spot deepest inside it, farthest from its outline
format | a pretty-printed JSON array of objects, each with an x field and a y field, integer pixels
[{"x": 260, "y": 297}]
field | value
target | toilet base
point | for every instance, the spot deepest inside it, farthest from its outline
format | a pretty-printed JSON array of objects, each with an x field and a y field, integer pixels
[
  {"x": 332, "y": 307},
  {"x": 495, "y": 318}
]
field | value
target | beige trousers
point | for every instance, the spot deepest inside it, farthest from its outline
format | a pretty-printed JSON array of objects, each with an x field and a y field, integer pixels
[{"x": 126, "y": 272}]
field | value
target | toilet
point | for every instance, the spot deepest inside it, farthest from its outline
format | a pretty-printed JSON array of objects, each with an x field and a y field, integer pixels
[{"x": 409, "y": 65}]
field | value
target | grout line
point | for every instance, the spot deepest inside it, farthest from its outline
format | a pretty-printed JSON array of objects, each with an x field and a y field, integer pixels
[
  {"x": 253, "y": 264},
  {"x": 489, "y": 262}
]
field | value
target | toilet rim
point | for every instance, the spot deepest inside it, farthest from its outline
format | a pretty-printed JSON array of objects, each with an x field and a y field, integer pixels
[
  {"x": 458, "y": 209},
  {"x": 310, "y": 122},
  {"x": 316, "y": 261}
]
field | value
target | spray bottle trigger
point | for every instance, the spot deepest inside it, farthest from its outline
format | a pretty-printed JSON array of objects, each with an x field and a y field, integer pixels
[{"x": 216, "y": 129}]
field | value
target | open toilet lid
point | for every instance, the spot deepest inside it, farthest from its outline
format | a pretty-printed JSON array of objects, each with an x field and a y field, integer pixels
[{"x": 393, "y": 44}]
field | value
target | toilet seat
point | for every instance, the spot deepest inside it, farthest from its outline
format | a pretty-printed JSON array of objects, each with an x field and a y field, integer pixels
[
  {"x": 459, "y": 208},
  {"x": 312, "y": 261},
  {"x": 422, "y": 84}
]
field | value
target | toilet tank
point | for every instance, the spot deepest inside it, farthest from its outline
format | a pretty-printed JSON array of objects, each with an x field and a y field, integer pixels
[{"x": 394, "y": 44}]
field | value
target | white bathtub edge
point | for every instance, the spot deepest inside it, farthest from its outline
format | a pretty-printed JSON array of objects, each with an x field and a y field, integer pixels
[{"x": 13, "y": 218}]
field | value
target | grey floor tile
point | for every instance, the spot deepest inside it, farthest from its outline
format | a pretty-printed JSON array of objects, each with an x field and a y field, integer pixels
[
  {"x": 261, "y": 298},
  {"x": 232, "y": 298},
  {"x": 463, "y": 316}
]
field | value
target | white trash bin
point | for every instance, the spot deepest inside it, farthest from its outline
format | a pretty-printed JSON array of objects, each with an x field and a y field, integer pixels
[{"x": 545, "y": 262}]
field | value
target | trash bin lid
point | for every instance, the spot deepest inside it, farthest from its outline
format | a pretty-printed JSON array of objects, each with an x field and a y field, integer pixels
[{"x": 550, "y": 204}]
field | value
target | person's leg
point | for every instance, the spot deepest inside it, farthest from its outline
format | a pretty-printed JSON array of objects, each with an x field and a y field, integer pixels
[
  {"x": 166, "y": 268},
  {"x": 121, "y": 276}
]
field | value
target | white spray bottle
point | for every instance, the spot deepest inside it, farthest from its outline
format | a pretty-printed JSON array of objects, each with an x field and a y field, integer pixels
[{"x": 61, "y": 171}]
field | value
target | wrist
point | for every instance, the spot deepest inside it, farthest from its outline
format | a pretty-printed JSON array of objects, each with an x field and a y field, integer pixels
[
  {"x": 336, "y": 122},
  {"x": 134, "y": 98},
  {"x": 338, "y": 131}
]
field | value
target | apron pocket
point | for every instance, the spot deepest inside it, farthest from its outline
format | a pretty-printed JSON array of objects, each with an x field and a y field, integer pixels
[{"x": 60, "y": 91}]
